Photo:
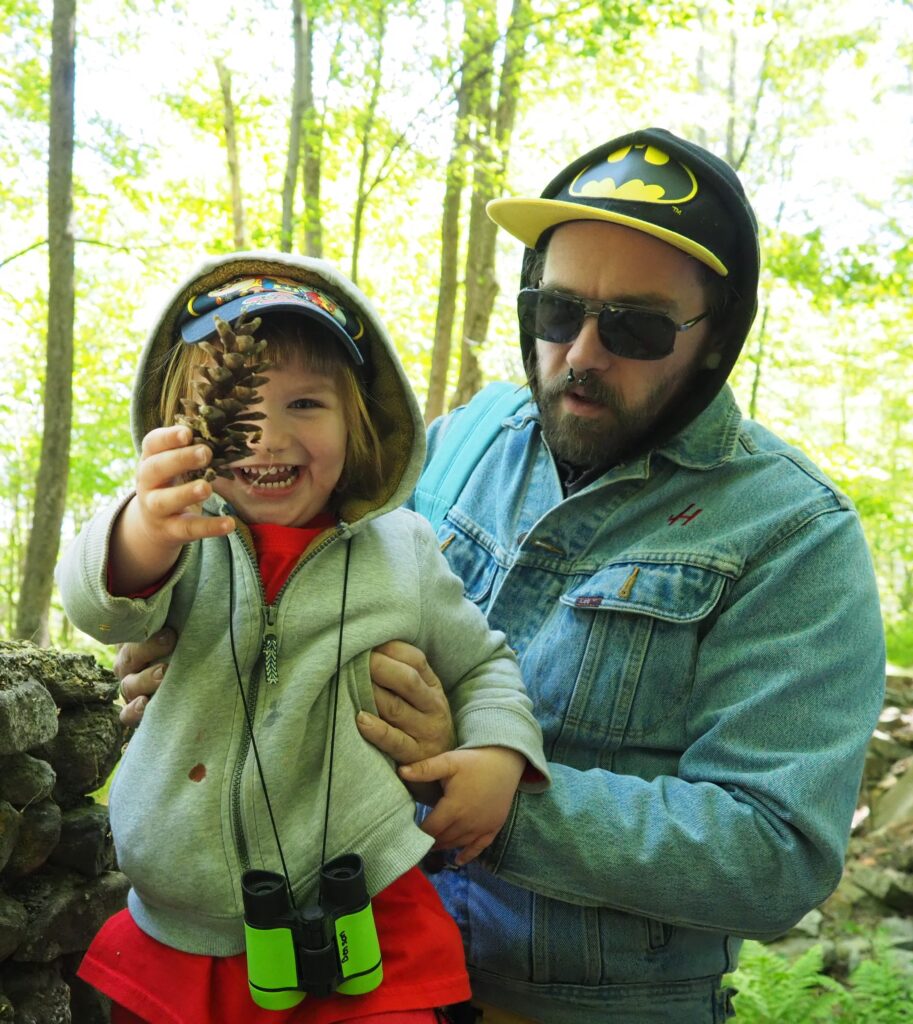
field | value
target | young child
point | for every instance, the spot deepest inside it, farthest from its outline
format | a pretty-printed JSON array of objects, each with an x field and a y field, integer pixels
[{"x": 279, "y": 580}]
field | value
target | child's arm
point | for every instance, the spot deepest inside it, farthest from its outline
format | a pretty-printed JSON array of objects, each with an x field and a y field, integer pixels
[
  {"x": 163, "y": 515},
  {"x": 479, "y": 785}
]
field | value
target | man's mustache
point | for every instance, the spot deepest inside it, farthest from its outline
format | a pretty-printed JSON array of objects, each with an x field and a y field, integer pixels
[{"x": 593, "y": 389}]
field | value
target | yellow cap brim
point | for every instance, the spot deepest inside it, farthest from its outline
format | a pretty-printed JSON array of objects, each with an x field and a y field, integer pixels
[{"x": 526, "y": 219}]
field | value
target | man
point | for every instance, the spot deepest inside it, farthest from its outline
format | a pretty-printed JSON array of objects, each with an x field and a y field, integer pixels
[{"x": 691, "y": 600}]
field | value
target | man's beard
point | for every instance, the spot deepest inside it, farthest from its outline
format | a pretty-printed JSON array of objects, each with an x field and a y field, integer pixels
[{"x": 604, "y": 441}]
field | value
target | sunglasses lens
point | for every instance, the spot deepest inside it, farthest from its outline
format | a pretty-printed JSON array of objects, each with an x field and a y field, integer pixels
[
  {"x": 549, "y": 316},
  {"x": 636, "y": 334}
]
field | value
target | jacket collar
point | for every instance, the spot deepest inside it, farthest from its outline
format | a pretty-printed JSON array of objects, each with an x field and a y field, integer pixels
[{"x": 710, "y": 439}]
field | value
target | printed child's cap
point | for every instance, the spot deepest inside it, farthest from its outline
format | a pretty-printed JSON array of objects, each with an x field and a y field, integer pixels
[{"x": 256, "y": 295}]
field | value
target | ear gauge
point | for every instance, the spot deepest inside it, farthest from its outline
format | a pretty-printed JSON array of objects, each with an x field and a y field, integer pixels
[{"x": 712, "y": 360}]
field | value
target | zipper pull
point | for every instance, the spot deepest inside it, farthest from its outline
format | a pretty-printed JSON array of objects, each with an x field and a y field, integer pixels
[{"x": 271, "y": 648}]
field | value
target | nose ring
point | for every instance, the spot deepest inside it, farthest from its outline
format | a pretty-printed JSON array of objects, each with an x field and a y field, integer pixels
[{"x": 572, "y": 377}]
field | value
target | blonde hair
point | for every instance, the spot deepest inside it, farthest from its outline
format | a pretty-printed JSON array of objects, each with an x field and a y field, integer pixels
[{"x": 296, "y": 339}]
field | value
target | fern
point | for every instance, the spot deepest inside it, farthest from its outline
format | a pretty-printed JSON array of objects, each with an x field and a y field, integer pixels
[
  {"x": 880, "y": 992},
  {"x": 775, "y": 990}
]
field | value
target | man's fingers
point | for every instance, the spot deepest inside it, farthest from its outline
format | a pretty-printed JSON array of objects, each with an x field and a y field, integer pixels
[
  {"x": 133, "y": 658},
  {"x": 403, "y": 670},
  {"x": 142, "y": 684},
  {"x": 132, "y": 714},
  {"x": 389, "y": 740},
  {"x": 431, "y": 769}
]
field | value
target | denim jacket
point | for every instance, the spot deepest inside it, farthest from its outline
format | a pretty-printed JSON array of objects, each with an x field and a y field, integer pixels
[{"x": 699, "y": 631}]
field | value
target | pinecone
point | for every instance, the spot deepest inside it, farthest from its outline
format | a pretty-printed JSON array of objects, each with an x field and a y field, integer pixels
[{"x": 218, "y": 411}]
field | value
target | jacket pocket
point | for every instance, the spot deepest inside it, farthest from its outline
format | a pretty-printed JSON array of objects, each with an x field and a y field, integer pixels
[
  {"x": 638, "y": 626},
  {"x": 671, "y": 591},
  {"x": 476, "y": 566}
]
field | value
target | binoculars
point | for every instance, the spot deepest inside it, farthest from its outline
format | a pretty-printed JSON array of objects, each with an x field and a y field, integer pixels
[{"x": 330, "y": 946}]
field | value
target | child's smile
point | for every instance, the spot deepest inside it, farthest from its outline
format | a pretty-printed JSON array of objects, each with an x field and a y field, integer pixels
[
  {"x": 298, "y": 461},
  {"x": 272, "y": 478}
]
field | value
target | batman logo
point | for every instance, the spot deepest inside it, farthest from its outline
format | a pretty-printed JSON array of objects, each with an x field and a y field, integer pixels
[{"x": 642, "y": 174}]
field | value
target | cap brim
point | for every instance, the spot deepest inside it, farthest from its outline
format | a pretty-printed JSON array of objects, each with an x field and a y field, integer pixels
[
  {"x": 526, "y": 219},
  {"x": 204, "y": 327}
]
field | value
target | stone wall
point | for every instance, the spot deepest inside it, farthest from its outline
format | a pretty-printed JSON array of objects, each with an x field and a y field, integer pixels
[
  {"x": 876, "y": 891},
  {"x": 59, "y": 740}
]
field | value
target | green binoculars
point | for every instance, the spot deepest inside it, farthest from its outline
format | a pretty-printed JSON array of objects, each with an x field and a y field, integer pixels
[{"x": 330, "y": 946}]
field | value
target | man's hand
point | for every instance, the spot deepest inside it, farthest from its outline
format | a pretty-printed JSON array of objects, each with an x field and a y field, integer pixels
[
  {"x": 140, "y": 671},
  {"x": 479, "y": 786},
  {"x": 415, "y": 721}
]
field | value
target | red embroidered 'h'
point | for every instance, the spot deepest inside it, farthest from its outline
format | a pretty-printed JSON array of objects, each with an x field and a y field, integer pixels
[{"x": 685, "y": 518}]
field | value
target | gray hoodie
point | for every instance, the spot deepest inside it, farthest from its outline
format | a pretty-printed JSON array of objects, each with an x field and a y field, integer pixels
[{"x": 187, "y": 806}]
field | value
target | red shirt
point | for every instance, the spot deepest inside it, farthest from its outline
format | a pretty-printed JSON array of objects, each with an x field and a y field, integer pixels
[{"x": 420, "y": 943}]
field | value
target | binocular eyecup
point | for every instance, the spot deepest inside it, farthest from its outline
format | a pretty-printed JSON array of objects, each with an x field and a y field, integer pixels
[{"x": 330, "y": 946}]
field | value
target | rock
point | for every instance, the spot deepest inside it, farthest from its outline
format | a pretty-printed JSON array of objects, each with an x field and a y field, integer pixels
[
  {"x": 886, "y": 747},
  {"x": 85, "y": 841},
  {"x": 7, "y": 1014},
  {"x": 896, "y": 804},
  {"x": 853, "y": 950},
  {"x": 65, "y": 910},
  {"x": 87, "y": 1005},
  {"x": 38, "y": 835},
  {"x": 892, "y": 887},
  {"x": 10, "y": 823},
  {"x": 25, "y": 779},
  {"x": 898, "y": 931},
  {"x": 810, "y": 925},
  {"x": 13, "y": 922},
  {"x": 792, "y": 947},
  {"x": 73, "y": 680},
  {"x": 39, "y": 994},
  {"x": 28, "y": 715},
  {"x": 84, "y": 751}
]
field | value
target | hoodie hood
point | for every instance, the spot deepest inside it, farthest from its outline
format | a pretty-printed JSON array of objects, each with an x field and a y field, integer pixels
[
  {"x": 652, "y": 181},
  {"x": 391, "y": 402}
]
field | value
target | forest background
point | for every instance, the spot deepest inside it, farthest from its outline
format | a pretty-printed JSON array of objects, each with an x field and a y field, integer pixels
[{"x": 138, "y": 136}]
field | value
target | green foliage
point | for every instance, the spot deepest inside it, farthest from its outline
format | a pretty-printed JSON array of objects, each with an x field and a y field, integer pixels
[
  {"x": 831, "y": 370},
  {"x": 774, "y": 990}
]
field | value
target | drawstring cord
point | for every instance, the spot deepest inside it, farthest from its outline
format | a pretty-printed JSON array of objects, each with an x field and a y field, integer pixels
[{"x": 249, "y": 721}]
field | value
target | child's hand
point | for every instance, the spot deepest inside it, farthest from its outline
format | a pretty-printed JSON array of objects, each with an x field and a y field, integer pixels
[
  {"x": 479, "y": 786},
  {"x": 168, "y": 507},
  {"x": 164, "y": 514}
]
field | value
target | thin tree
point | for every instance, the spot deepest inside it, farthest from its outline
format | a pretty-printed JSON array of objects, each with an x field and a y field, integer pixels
[
  {"x": 299, "y": 94},
  {"x": 454, "y": 183},
  {"x": 231, "y": 146},
  {"x": 51, "y": 485},
  {"x": 375, "y": 68},
  {"x": 491, "y": 145},
  {"x": 311, "y": 143}
]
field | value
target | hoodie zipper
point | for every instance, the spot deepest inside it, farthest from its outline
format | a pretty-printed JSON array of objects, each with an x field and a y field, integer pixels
[{"x": 269, "y": 659}]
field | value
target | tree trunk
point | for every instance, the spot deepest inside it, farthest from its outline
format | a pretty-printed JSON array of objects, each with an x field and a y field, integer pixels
[
  {"x": 312, "y": 143},
  {"x": 455, "y": 180},
  {"x": 361, "y": 195},
  {"x": 492, "y": 149},
  {"x": 294, "y": 134},
  {"x": 51, "y": 486},
  {"x": 231, "y": 147}
]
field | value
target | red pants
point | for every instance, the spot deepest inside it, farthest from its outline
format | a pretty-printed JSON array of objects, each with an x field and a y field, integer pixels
[{"x": 121, "y": 1016}]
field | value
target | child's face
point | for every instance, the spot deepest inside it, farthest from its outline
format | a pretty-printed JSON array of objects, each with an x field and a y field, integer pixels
[{"x": 299, "y": 458}]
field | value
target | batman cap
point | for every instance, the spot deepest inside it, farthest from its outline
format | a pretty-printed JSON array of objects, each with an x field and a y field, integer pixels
[{"x": 651, "y": 181}]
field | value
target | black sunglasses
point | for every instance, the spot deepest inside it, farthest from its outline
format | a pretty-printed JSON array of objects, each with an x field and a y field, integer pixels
[{"x": 625, "y": 330}]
